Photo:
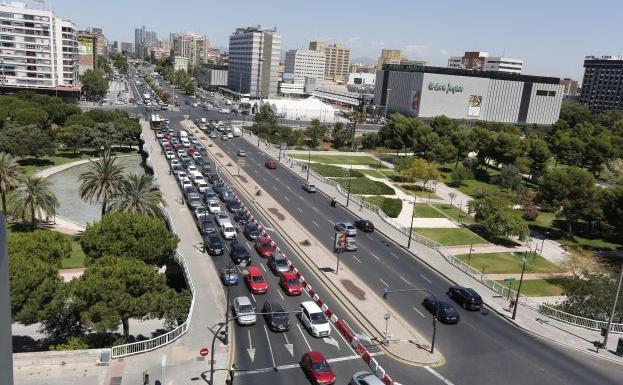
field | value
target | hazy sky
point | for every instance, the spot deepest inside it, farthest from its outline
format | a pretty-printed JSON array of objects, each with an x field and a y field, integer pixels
[{"x": 551, "y": 36}]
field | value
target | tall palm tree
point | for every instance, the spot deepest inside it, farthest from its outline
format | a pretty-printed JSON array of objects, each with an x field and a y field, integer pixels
[
  {"x": 102, "y": 180},
  {"x": 139, "y": 194},
  {"x": 10, "y": 173},
  {"x": 33, "y": 197}
]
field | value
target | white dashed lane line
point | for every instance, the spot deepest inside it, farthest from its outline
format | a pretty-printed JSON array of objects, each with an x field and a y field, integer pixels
[
  {"x": 375, "y": 257},
  {"x": 426, "y": 279},
  {"x": 383, "y": 282},
  {"x": 407, "y": 282},
  {"x": 356, "y": 259},
  {"x": 419, "y": 312}
]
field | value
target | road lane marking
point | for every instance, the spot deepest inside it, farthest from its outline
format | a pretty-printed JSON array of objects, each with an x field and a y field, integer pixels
[
  {"x": 303, "y": 334},
  {"x": 356, "y": 259},
  {"x": 369, "y": 237},
  {"x": 383, "y": 282},
  {"x": 316, "y": 223},
  {"x": 274, "y": 188},
  {"x": 315, "y": 209},
  {"x": 270, "y": 347},
  {"x": 288, "y": 345},
  {"x": 281, "y": 295},
  {"x": 375, "y": 257},
  {"x": 263, "y": 268},
  {"x": 299, "y": 209},
  {"x": 393, "y": 255},
  {"x": 264, "y": 178},
  {"x": 403, "y": 278},
  {"x": 419, "y": 312},
  {"x": 426, "y": 279},
  {"x": 439, "y": 376},
  {"x": 277, "y": 179},
  {"x": 251, "y": 350},
  {"x": 286, "y": 198},
  {"x": 254, "y": 300}
]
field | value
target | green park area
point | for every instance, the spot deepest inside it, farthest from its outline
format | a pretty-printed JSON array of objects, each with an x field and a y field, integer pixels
[
  {"x": 454, "y": 213},
  {"x": 341, "y": 159},
  {"x": 61, "y": 156},
  {"x": 331, "y": 171},
  {"x": 365, "y": 186},
  {"x": 536, "y": 287},
  {"x": 507, "y": 263},
  {"x": 390, "y": 206},
  {"x": 450, "y": 237},
  {"x": 418, "y": 191},
  {"x": 423, "y": 210}
]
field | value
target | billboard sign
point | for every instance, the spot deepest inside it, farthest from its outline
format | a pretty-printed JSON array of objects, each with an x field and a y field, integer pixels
[
  {"x": 473, "y": 109},
  {"x": 415, "y": 101},
  {"x": 85, "y": 46}
]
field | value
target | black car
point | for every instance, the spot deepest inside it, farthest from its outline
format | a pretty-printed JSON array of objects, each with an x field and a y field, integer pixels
[
  {"x": 239, "y": 254},
  {"x": 213, "y": 177},
  {"x": 185, "y": 159},
  {"x": 233, "y": 205},
  {"x": 190, "y": 190},
  {"x": 242, "y": 216},
  {"x": 446, "y": 313},
  {"x": 213, "y": 244},
  {"x": 224, "y": 193},
  {"x": 466, "y": 297},
  {"x": 276, "y": 318},
  {"x": 207, "y": 225},
  {"x": 252, "y": 231},
  {"x": 364, "y": 225}
]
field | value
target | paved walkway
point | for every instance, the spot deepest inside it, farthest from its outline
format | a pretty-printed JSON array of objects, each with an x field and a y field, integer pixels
[
  {"x": 69, "y": 274},
  {"x": 578, "y": 338},
  {"x": 485, "y": 249},
  {"x": 527, "y": 276}
]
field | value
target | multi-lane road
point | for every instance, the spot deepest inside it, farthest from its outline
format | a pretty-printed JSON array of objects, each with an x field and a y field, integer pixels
[{"x": 481, "y": 349}]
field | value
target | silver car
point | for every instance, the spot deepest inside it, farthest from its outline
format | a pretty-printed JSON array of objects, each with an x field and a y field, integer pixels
[
  {"x": 350, "y": 229},
  {"x": 278, "y": 263},
  {"x": 365, "y": 378},
  {"x": 244, "y": 311}
]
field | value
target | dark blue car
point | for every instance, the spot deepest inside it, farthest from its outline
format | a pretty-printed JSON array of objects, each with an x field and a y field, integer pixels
[{"x": 229, "y": 276}]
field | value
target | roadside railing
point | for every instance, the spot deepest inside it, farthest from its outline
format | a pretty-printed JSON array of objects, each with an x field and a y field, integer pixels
[
  {"x": 496, "y": 287},
  {"x": 164, "y": 339}
]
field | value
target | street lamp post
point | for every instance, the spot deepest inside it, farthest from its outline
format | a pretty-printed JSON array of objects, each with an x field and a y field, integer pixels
[
  {"x": 388, "y": 290},
  {"x": 226, "y": 336},
  {"x": 308, "y": 161},
  {"x": 350, "y": 173},
  {"x": 523, "y": 269},
  {"x": 469, "y": 257},
  {"x": 411, "y": 228},
  {"x": 614, "y": 306}
]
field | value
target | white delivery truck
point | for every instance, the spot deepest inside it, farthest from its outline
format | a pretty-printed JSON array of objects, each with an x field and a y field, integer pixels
[{"x": 236, "y": 131}]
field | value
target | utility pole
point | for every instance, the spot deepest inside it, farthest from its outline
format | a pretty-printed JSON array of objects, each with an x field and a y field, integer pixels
[
  {"x": 350, "y": 172},
  {"x": 411, "y": 228},
  {"x": 523, "y": 269},
  {"x": 614, "y": 306}
]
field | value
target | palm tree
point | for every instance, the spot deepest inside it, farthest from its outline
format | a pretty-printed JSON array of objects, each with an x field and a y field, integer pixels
[
  {"x": 34, "y": 197},
  {"x": 102, "y": 180},
  {"x": 139, "y": 194},
  {"x": 10, "y": 173}
]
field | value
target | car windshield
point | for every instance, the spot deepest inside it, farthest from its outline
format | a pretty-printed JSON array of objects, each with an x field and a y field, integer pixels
[
  {"x": 447, "y": 309},
  {"x": 281, "y": 262},
  {"x": 280, "y": 316},
  {"x": 318, "y": 318},
  {"x": 252, "y": 228},
  {"x": 293, "y": 282},
  {"x": 229, "y": 229},
  {"x": 245, "y": 309},
  {"x": 266, "y": 245},
  {"x": 321, "y": 367},
  {"x": 257, "y": 278}
]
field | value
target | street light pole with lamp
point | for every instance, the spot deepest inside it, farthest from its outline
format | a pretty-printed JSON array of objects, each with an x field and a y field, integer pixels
[
  {"x": 614, "y": 305},
  {"x": 523, "y": 269},
  {"x": 411, "y": 228},
  {"x": 389, "y": 290}
]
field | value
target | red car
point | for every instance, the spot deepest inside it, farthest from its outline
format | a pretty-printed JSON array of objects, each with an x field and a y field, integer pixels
[
  {"x": 270, "y": 164},
  {"x": 255, "y": 281},
  {"x": 290, "y": 284},
  {"x": 317, "y": 368},
  {"x": 265, "y": 247},
  {"x": 190, "y": 151},
  {"x": 167, "y": 136}
]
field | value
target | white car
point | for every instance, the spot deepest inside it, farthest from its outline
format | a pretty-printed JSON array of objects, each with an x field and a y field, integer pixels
[
  {"x": 198, "y": 179},
  {"x": 214, "y": 207},
  {"x": 183, "y": 177},
  {"x": 314, "y": 319},
  {"x": 213, "y": 135},
  {"x": 169, "y": 154},
  {"x": 244, "y": 310},
  {"x": 186, "y": 143},
  {"x": 192, "y": 168},
  {"x": 228, "y": 231},
  {"x": 159, "y": 135},
  {"x": 180, "y": 152},
  {"x": 202, "y": 186},
  {"x": 175, "y": 162},
  {"x": 186, "y": 184},
  {"x": 222, "y": 218},
  {"x": 230, "y": 135}
]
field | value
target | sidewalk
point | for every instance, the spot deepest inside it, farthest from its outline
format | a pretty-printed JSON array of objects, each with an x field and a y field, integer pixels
[
  {"x": 407, "y": 345},
  {"x": 527, "y": 318}
]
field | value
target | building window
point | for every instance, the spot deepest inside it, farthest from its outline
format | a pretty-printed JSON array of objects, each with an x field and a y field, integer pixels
[
  {"x": 541, "y": 93},
  {"x": 552, "y": 93}
]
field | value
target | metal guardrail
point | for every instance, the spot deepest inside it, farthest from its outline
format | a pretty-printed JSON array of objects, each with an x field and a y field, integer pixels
[
  {"x": 496, "y": 287},
  {"x": 164, "y": 339}
]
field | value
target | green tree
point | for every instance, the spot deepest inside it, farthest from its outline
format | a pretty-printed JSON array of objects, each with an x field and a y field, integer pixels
[
  {"x": 30, "y": 116},
  {"x": 10, "y": 174},
  {"x": 612, "y": 172},
  {"x": 102, "y": 180},
  {"x": 591, "y": 296},
  {"x": 418, "y": 169},
  {"x": 45, "y": 245},
  {"x": 72, "y": 137},
  {"x": 462, "y": 140},
  {"x": 341, "y": 137},
  {"x": 574, "y": 113},
  {"x": 265, "y": 121},
  {"x": 539, "y": 154},
  {"x": 190, "y": 87},
  {"x": 507, "y": 148},
  {"x": 129, "y": 235},
  {"x": 460, "y": 174},
  {"x": 103, "y": 65},
  {"x": 33, "y": 285},
  {"x": 113, "y": 289},
  {"x": 497, "y": 217},
  {"x": 139, "y": 194},
  {"x": 509, "y": 178},
  {"x": 177, "y": 308},
  {"x": 315, "y": 132},
  {"x": 370, "y": 140},
  {"x": 34, "y": 198},
  {"x": 80, "y": 119},
  {"x": 572, "y": 191},
  {"x": 36, "y": 143},
  {"x": 94, "y": 83},
  {"x": 567, "y": 149}
]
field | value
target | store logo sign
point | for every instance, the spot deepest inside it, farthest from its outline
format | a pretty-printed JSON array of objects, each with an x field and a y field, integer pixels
[{"x": 447, "y": 88}]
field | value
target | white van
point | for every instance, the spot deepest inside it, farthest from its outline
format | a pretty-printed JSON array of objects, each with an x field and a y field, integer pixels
[
  {"x": 182, "y": 135},
  {"x": 314, "y": 319}
]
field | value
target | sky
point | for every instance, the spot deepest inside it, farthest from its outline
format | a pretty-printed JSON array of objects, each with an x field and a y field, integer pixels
[{"x": 551, "y": 36}]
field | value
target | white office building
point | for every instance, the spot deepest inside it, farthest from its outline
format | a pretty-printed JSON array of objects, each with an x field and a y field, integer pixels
[
  {"x": 37, "y": 49},
  {"x": 305, "y": 63},
  {"x": 254, "y": 54},
  {"x": 481, "y": 61}
]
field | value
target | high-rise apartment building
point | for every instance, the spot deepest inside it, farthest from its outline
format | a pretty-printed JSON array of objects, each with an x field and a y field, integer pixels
[
  {"x": 389, "y": 56},
  {"x": 192, "y": 47},
  {"x": 305, "y": 63},
  {"x": 602, "y": 87},
  {"x": 337, "y": 60},
  {"x": 142, "y": 37},
  {"x": 101, "y": 43},
  {"x": 38, "y": 50},
  {"x": 254, "y": 54},
  {"x": 122, "y": 47},
  {"x": 481, "y": 61},
  {"x": 87, "y": 59}
]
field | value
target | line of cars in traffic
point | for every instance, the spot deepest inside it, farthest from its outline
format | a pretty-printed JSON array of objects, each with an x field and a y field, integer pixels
[{"x": 217, "y": 211}]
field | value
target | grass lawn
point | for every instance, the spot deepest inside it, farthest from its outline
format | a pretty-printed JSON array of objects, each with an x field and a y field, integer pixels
[
  {"x": 31, "y": 166},
  {"x": 341, "y": 159},
  {"x": 423, "y": 210},
  {"x": 77, "y": 256},
  {"x": 454, "y": 212},
  {"x": 451, "y": 237},
  {"x": 390, "y": 206},
  {"x": 536, "y": 287},
  {"x": 418, "y": 191},
  {"x": 373, "y": 173},
  {"x": 500, "y": 263},
  {"x": 365, "y": 186},
  {"x": 330, "y": 171},
  {"x": 583, "y": 237}
]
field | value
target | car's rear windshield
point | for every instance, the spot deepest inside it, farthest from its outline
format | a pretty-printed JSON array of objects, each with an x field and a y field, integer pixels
[
  {"x": 318, "y": 318},
  {"x": 293, "y": 281},
  {"x": 266, "y": 245},
  {"x": 281, "y": 262},
  {"x": 321, "y": 367},
  {"x": 257, "y": 278},
  {"x": 246, "y": 308}
]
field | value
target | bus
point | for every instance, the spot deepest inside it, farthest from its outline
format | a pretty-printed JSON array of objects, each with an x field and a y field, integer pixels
[{"x": 156, "y": 121}]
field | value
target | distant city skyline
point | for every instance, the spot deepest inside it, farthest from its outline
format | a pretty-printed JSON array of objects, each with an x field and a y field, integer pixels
[{"x": 552, "y": 39}]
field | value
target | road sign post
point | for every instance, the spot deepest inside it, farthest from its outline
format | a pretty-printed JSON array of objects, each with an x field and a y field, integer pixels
[{"x": 340, "y": 242}]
